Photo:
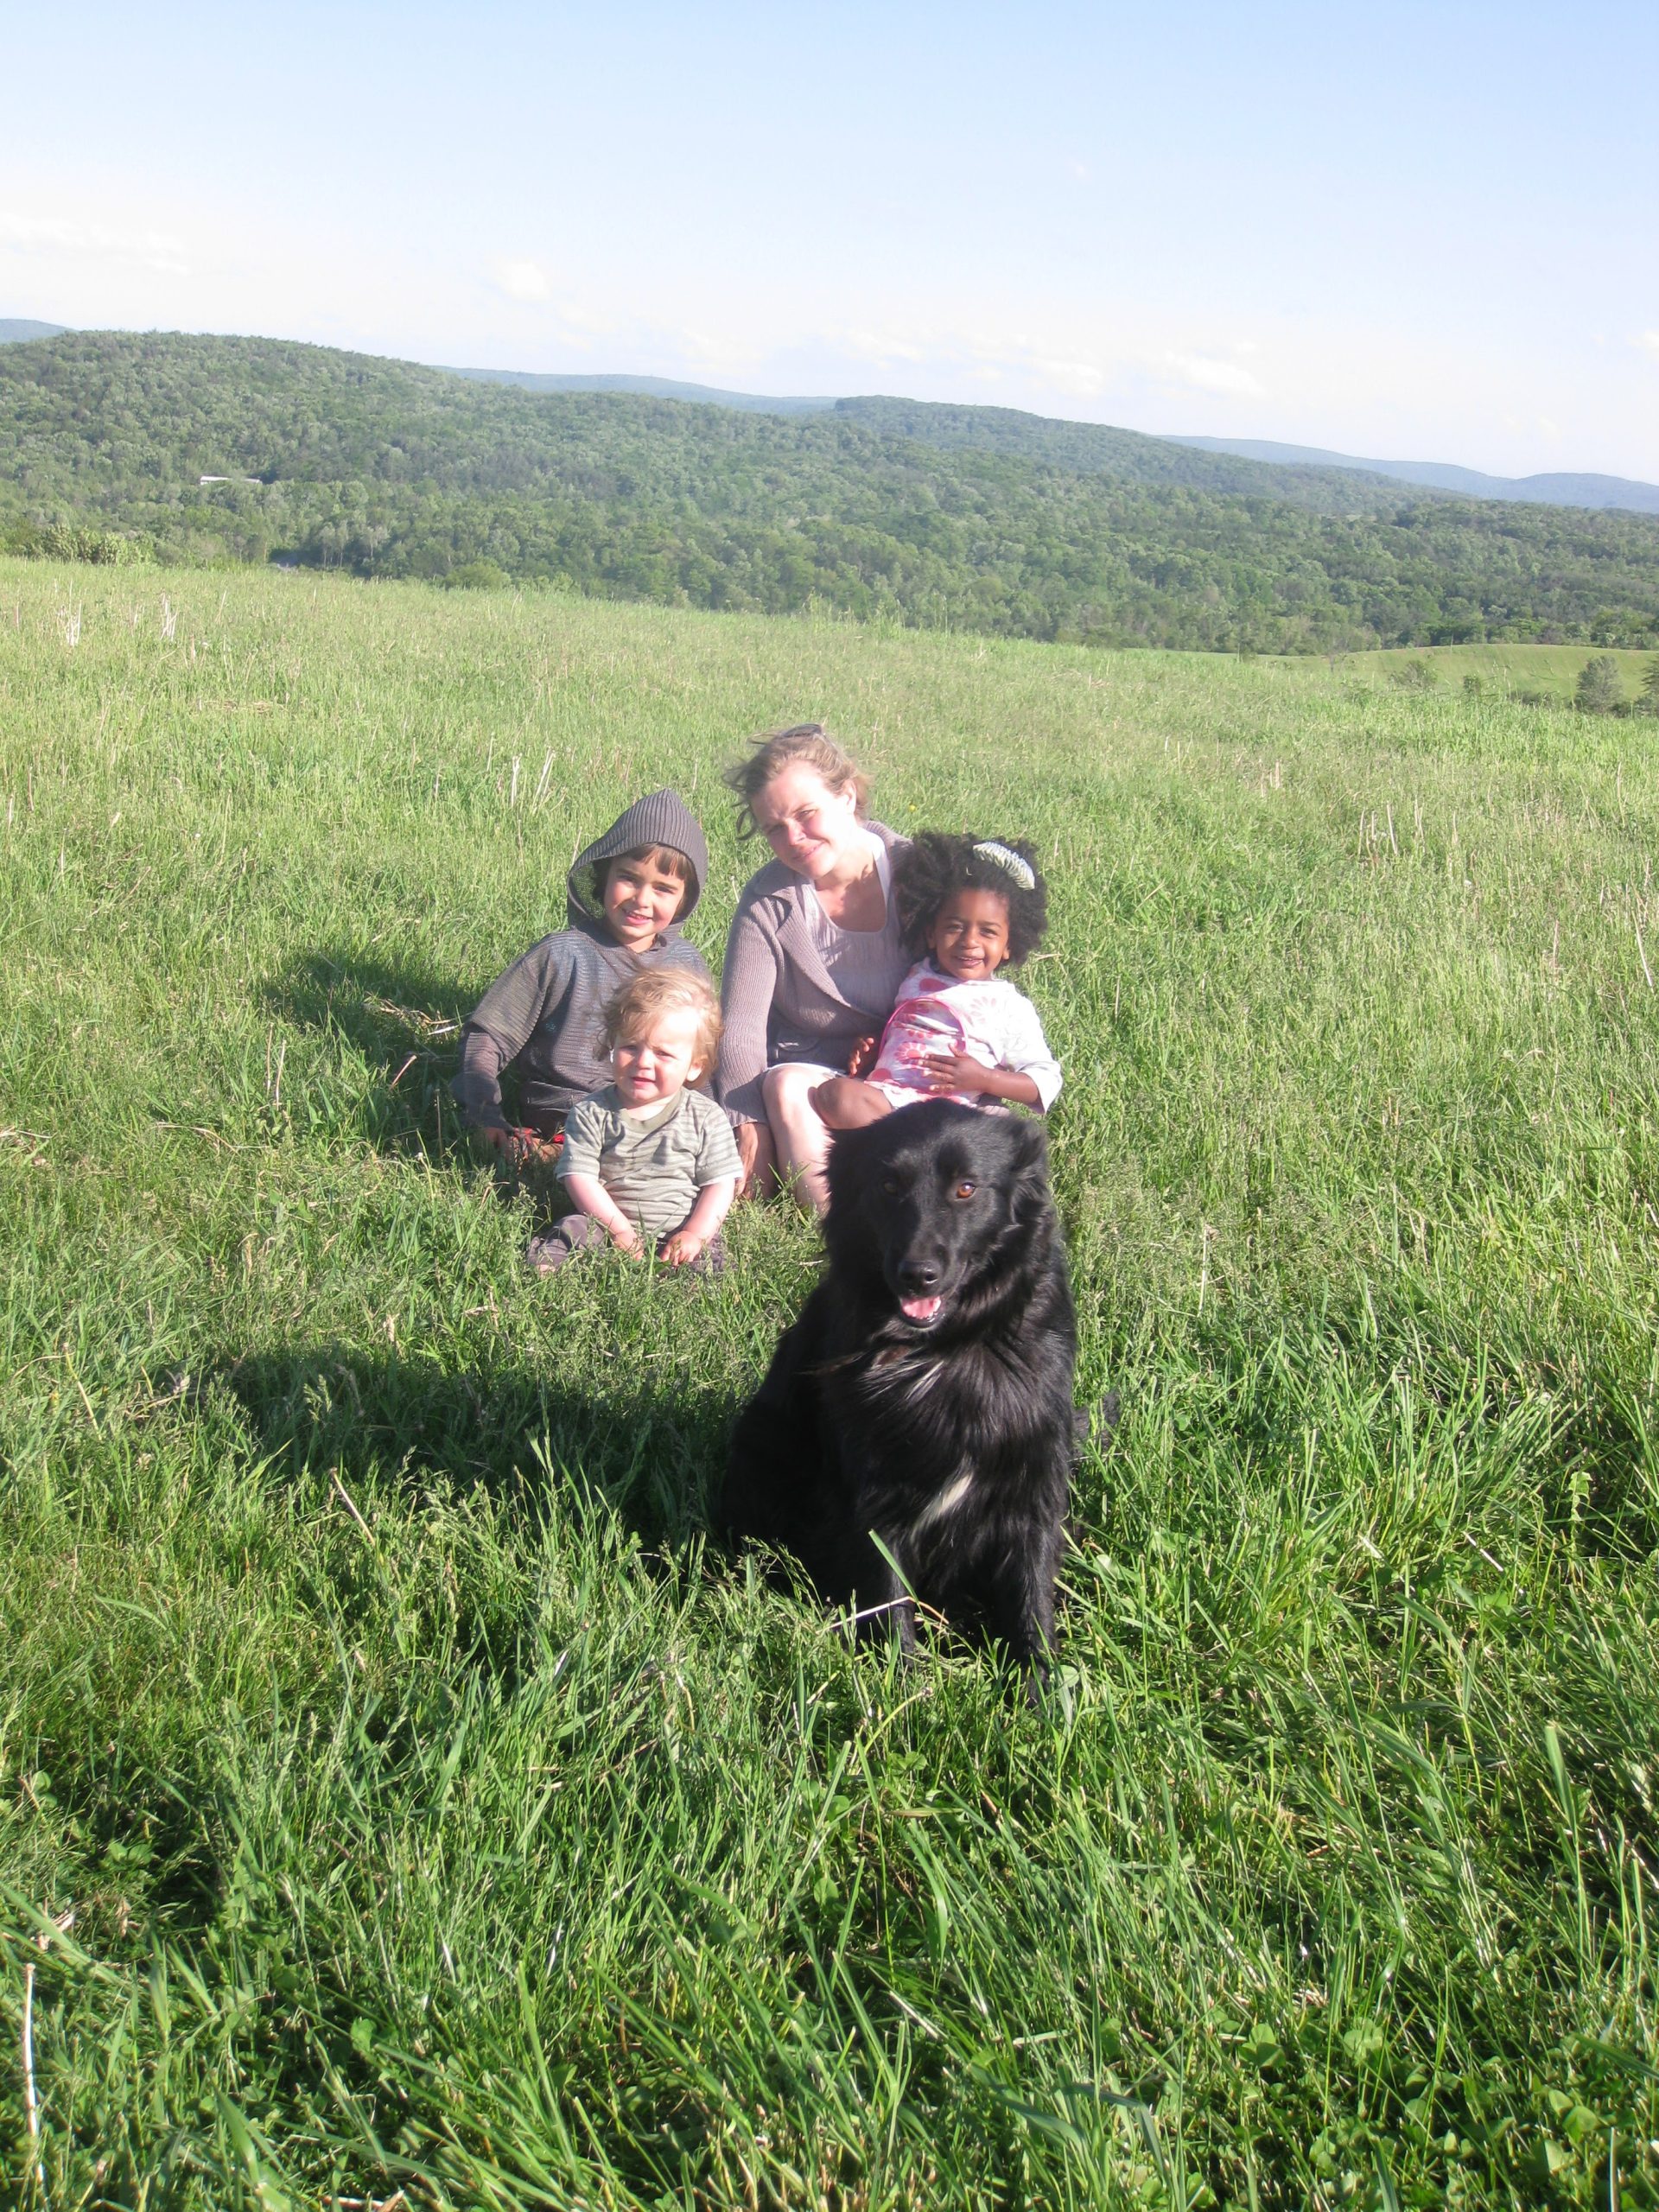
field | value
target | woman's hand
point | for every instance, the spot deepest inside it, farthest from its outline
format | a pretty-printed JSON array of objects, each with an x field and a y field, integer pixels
[
  {"x": 861, "y": 1058},
  {"x": 758, "y": 1155}
]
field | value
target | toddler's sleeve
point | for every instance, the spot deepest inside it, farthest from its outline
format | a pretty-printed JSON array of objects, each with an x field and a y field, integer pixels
[
  {"x": 584, "y": 1133},
  {"x": 1026, "y": 1050},
  {"x": 717, "y": 1153}
]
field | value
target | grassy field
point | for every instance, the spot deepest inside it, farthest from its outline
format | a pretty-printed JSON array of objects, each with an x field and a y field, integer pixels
[
  {"x": 1508, "y": 669},
  {"x": 400, "y": 1797}
]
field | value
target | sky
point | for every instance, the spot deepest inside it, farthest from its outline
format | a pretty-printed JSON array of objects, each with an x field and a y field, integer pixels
[{"x": 1424, "y": 233}]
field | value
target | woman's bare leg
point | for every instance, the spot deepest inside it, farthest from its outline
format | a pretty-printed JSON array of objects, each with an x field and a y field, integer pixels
[
  {"x": 845, "y": 1103},
  {"x": 802, "y": 1137}
]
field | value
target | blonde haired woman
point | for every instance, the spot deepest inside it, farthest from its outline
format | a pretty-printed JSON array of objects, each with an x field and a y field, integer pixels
[{"x": 814, "y": 957}]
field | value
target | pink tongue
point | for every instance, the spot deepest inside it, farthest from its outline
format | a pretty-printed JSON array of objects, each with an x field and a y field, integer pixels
[{"x": 920, "y": 1309}]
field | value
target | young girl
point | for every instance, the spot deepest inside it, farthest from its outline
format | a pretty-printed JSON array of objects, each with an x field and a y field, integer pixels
[{"x": 957, "y": 1030}]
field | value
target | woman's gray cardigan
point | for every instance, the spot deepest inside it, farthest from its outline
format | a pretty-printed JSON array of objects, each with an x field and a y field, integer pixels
[{"x": 777, "y": 1000}]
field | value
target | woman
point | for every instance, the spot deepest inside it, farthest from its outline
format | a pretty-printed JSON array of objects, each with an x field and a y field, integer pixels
[{"x": 814, "y": 958}]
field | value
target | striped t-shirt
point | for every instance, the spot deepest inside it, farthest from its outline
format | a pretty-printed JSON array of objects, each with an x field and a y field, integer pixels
[{"x": 652, "y": 1161}]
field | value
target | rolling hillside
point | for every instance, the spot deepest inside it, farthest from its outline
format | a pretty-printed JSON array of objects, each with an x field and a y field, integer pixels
[{"x": 965, "y": 518}]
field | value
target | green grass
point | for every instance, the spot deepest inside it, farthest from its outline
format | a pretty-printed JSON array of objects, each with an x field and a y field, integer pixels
[
  {"x": 398, "y": 1794},
  {"x": 1511, "y": 669}
]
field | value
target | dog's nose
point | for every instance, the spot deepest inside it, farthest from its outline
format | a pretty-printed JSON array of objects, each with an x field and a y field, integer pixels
[{"x": 918, "y": 1275}]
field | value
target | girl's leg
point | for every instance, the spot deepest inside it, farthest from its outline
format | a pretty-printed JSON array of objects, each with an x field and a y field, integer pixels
[
  {"x": 845, "y": 1103},
  {"x": 803, "y": 1140}
]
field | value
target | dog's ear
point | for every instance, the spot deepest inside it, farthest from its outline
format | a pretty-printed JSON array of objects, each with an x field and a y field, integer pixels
[
  {"x": 1029, "y": 1198},
  {"x": 841, "y": 1178},
  {"x": 847, "y": 1172}
]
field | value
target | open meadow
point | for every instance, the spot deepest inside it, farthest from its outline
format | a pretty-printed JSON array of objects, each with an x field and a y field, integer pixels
[
  {"x": 1546, "y": 671},
  {"x": 398, "y": 1794}
]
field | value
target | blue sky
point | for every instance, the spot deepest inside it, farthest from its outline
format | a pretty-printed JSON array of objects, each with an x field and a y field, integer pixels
[{"x": 1415, "y": 232}]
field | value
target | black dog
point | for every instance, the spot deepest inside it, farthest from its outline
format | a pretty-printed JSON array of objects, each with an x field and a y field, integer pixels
[{"x": 923, "y": 1397}]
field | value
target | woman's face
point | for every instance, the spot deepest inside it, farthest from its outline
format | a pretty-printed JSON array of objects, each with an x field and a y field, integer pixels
[{"x": 808, "y": 826}]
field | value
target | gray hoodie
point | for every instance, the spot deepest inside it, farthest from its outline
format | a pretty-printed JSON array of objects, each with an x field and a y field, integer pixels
[{"x": 541, "y": 1017}]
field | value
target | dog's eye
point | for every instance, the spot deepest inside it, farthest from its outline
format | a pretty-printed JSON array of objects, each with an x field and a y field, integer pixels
[
  {"x": 891, "y": 1185},
  {"x": 965, "y": 1190}
]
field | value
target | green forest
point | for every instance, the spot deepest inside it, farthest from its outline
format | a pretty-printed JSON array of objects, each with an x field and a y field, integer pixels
[{"x": 974, "y": 519}]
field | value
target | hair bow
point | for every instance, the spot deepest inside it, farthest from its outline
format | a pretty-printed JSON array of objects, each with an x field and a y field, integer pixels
[{"x": 1008, "y": 860}]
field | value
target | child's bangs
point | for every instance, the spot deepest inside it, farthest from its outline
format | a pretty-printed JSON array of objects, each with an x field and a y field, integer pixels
[{"x": 667, "y": 859}]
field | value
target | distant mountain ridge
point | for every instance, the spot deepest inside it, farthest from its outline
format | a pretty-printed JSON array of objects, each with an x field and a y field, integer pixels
[
  {"x": 1556, "y": 489},
  {"x": 1080, "y": 449},
  {"x": 1091, "y": 446},
  {"x": 748, "y": 402},
  {"x": 1088, "y": 448},
  {"x": 115, "y": 444}
]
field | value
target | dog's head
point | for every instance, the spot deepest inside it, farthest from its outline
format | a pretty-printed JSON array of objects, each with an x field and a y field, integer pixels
[{"x": 940, "y": 1205}]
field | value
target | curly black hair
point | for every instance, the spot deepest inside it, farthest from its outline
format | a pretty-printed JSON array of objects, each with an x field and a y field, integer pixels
[{"x": 934, "y": 865}]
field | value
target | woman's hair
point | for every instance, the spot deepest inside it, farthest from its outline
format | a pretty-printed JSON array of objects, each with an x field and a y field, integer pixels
[
  {"x": 644, "y": 998},
  {"x": 668, "y": 859},
  {"x": 932, "y": 866},
  {"x": 775, "y": 750}
]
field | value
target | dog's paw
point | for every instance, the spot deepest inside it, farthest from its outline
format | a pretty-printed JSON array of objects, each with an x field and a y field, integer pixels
[{"x": 1095, "y": 1423}]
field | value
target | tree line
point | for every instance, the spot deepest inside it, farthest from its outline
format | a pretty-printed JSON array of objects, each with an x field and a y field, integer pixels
[{"x": 971, "y": 519}]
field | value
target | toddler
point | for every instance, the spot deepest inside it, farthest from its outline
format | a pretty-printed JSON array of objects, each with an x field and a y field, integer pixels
[
  {"x": 649, "y": 1162},
  {"x": 957, "y": 1029}
]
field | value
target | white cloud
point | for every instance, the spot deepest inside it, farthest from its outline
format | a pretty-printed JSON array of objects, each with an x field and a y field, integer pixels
[
  {"x": 1079, "y": 172},
  {"x": 1081, "y": 379},
  {"x": 1648, "y": 340},
  {"x": 880, "y": 347},
  {"x": 1205, "y": 373},
  {"x": 52, "y": 234},
  {"x": 523, "y": 280},
  {"x": 985, "y": 356}
]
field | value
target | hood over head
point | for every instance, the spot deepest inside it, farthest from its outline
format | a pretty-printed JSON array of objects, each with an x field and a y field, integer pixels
[{"x": 659, "y": 818}]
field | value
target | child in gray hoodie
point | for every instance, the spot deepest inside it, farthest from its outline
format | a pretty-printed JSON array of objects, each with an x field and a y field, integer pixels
[{"x": 629, "y": 892}]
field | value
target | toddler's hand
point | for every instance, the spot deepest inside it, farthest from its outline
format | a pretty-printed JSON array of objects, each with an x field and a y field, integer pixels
[
  {"x": 954, "y": 1072},
  {"x": 680, "y": 1247},
  {"x": 628, "y": 1240}
]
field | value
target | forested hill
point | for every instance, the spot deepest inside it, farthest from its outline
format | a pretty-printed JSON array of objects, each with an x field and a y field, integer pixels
[
  {"x": 1096, "y": 449},
  {"x": 970, "y": 519}
]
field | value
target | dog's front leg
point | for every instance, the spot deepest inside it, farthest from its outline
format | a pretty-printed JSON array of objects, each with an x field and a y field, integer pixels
[
  {"x": 1022, "y": 1605},
  {"x": 882, "y": 1601}
]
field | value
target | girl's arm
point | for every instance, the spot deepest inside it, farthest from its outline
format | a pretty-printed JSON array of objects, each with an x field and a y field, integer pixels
[
  {"x": 592, "y": 1197},
  {"x": 696, "y": 1232},
  {"x": 970, "y": 1074},
  {"x": 1026, "y": 1071}
]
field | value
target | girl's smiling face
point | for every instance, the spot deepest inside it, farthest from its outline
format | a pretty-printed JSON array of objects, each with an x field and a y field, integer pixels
[{"x": 969, "y": 936}]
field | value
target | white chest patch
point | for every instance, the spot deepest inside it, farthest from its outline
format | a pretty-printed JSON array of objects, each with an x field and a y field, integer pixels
[{"x": 947, "y": 1500}]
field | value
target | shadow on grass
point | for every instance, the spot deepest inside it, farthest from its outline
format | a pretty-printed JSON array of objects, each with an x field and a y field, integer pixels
[
  {"x": 406, "y": 1021},
  {"x": 647, "y": 1451},
  {"x": 383, "y": 1008}
]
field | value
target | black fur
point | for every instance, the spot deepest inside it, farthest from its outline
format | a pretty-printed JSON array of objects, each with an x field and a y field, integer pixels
[{"x": 952, "y": 1440}]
